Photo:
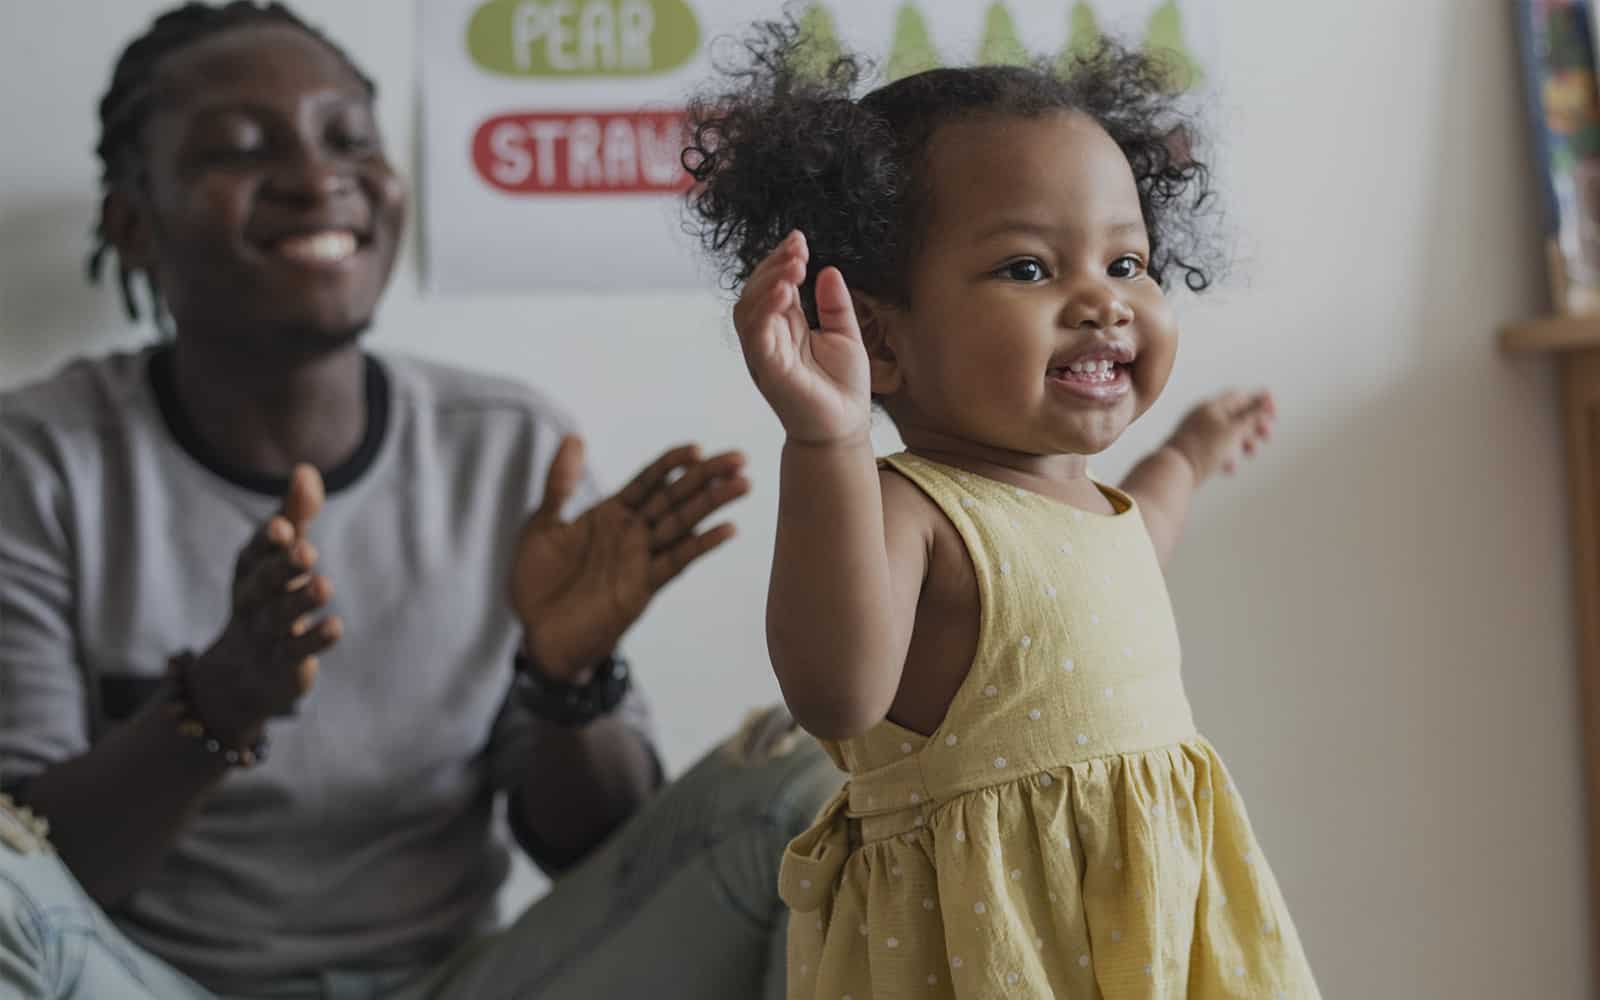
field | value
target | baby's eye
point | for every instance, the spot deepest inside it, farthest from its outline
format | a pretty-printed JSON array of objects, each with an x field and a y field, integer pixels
[
  {"x": 1127, "y": 266},
  {"x": 1027, "y": 269}
]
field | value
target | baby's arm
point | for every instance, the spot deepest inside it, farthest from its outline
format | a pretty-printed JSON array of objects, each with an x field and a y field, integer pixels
[
  {"x": 846, "y": 575},
  {"x": 1211, "y": 437},
  {"x": 838, "y": 619}
]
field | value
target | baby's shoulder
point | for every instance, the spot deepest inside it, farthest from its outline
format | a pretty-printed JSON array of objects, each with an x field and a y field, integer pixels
[
  {"x": 908, "y": 508},
  {"x": 909, "y": 513}
]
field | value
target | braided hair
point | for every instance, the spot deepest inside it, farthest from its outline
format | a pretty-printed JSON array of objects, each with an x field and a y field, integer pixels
[{"x": 132, "y": 96}]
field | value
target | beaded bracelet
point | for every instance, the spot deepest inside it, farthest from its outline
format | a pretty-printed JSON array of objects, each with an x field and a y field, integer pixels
[{"x": 181, "y": 707}]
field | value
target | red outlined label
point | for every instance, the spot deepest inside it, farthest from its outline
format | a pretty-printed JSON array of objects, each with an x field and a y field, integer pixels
[{"x": 582, "y": 152}]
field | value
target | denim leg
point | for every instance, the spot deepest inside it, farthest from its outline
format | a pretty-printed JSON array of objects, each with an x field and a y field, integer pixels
[
  {"x": 56, "y": 944},
  {"x": 680, "y": 903}
]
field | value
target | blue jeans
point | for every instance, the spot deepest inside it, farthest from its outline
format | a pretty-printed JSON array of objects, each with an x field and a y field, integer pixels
[{"x": 681, "y": 902}]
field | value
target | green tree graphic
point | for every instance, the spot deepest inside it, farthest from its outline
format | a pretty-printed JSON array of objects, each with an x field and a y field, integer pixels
[
  {"x": 819, "y": 43},
  {"x": 1000, "y": 45},
  {"x": 1083, "y": 34},
  {"x": 912, "y": 50},
  {"x": 1165, "y": 38}
]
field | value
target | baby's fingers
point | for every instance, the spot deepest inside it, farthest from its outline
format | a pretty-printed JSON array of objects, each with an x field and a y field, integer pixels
[
  {"x": 835, "y": 309},
  {"x": 764, "y": 321},
  {"x": 1233, "y": 403},
  {"x": 1257, "y": 434},
  {"x": 1257, "y": 408},
  {"x": 785, "y": 265}
]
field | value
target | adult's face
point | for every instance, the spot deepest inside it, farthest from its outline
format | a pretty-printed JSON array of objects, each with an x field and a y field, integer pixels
[{"x": 267, "y": 212}]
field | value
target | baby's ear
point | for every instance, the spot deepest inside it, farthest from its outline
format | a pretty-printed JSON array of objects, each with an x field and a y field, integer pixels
[{"x": 875, "y": 319}]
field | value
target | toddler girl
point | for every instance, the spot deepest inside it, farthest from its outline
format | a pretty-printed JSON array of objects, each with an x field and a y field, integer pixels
[{"x": 977, "y": 630}]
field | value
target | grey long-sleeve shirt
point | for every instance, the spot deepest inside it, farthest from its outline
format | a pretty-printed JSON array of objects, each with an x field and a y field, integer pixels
[{"x": 367, "y": 837}]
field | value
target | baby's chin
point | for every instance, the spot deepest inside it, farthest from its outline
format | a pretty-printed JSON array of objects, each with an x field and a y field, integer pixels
[
  {"x": 1087, "y": 446},
  {"x": 1090, "y": 435}
]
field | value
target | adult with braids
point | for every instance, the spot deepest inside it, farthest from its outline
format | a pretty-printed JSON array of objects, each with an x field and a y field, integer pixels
[{"x": 255, "y": 787}]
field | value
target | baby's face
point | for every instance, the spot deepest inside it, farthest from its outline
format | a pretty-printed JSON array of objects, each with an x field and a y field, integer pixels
[{"x": 1032, "y": 326}]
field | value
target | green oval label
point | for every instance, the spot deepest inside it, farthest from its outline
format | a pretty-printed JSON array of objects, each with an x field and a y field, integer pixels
[{"x": 582, "y": 37}]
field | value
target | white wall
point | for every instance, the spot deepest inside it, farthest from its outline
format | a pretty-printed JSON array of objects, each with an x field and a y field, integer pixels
[{"x": 1376, "y": 617}]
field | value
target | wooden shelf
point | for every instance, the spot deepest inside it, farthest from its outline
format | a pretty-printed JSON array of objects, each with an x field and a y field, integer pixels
[
  {"x": 1553, "y": 333},
  {"x": 1575, "y": 340}
]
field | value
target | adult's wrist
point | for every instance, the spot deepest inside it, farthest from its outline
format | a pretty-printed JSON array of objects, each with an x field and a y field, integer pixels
[
  {"x": 568, "y": 704},
  {"x": 564, "y": 666},
  {"x": 228, "y": 714}
]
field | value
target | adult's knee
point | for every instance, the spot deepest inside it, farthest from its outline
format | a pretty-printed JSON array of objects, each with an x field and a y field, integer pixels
[
  {"x": 788, "y": 769},
  {"x": 776, "y": 784}
]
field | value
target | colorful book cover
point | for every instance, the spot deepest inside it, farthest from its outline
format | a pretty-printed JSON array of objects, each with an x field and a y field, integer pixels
[{"x": 1558, "y": 59}]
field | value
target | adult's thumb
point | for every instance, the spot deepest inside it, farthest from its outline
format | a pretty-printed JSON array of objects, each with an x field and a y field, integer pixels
[{"x": 302, "y": 502}]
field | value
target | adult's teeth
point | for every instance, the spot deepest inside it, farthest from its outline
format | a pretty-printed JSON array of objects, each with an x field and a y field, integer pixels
[{"x": 319, "y": 247}]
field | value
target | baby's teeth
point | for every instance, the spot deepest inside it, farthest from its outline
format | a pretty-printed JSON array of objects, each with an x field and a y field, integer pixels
[{"x": 1099, "y": 369}]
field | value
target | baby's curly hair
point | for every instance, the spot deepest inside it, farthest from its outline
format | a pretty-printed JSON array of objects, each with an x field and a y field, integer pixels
[{"x": 789, "y": 146}]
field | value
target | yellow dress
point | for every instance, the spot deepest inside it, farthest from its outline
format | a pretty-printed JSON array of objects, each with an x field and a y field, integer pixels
[{"x": 1065, "y": 832}]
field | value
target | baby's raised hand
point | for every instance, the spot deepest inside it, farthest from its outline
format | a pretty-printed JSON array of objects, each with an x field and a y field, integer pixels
[
  {"x": 818, "y": 382},
  {"x": 1218, "y": 431}
]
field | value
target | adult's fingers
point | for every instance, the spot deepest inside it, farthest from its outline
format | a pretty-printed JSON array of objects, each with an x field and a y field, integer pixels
[
  {"x": 279, "y": 572},
  {"x": 636, "y": 493},
  {"x": 561, "y": 479},
  {"x": 676, "y": 492},
  {"x": 686, "y": 518},
  {"x": 295, "y": 663},
  {"x": 320, "y": 636},
  {"x": 302, "y": 502},
  {"x": 668, "y": 564},
  {"x": 275, "y": 534},
  {"x": 286, "y": 613}
]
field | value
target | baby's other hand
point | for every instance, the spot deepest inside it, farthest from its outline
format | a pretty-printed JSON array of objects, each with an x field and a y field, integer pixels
[{"x": 1218, "y": 431}]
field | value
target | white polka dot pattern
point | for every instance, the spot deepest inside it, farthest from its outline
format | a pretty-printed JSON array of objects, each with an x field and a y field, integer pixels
[{"x": 981, "y": 869}]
